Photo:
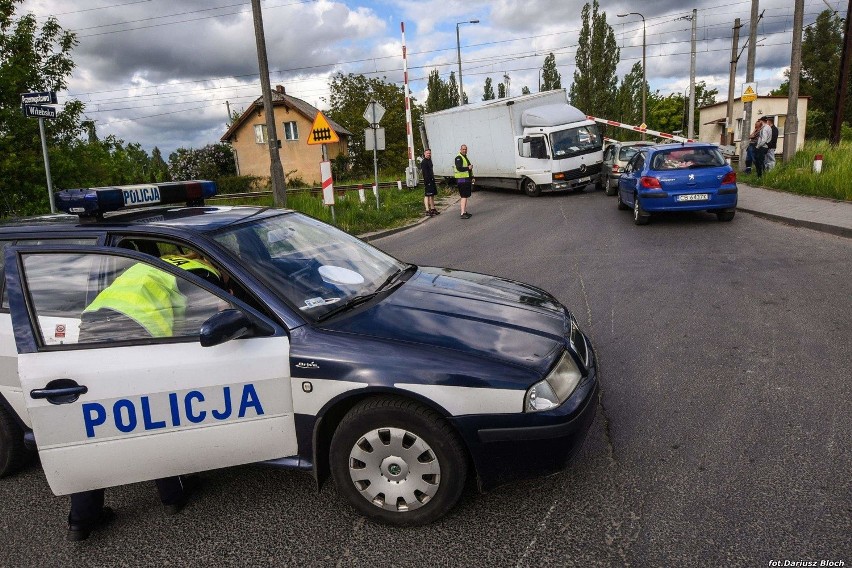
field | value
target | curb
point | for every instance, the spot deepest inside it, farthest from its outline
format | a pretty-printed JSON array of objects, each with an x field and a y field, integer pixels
[
  {"x": 446, "y": 204},
  {"x": 822, "y": 227}
]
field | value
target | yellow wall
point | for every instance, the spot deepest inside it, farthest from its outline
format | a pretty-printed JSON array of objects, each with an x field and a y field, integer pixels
[{"x": 253, "y": 158}]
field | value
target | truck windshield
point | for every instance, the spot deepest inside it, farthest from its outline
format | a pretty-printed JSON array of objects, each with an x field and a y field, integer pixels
[{"x": 575, "y": 141}]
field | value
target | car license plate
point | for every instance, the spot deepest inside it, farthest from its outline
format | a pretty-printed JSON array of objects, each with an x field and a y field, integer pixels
[
  {"x": 140, "y": 195},
  {"x": 586, "y": 179},
  {"x": 693, "y": 197}
]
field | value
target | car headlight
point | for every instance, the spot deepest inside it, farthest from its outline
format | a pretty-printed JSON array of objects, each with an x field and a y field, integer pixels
[{"x": 556, "y": 388}]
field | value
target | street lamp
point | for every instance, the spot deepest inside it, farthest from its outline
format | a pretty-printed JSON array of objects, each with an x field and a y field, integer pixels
[
  {"x": 458, "y": 52},
  {"x": 644, "y": 81}
]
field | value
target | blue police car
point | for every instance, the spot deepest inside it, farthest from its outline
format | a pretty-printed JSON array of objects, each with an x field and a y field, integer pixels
[
  {"x": 313, "y": 350},
  {"x": 678, "y": 177}
]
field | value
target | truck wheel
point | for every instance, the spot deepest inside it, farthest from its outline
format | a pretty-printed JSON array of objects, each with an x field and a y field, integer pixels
[
  {"x": 397, "y": 462},
  {"x": 530, "y": 188},
  {"x": 13, "y": 454}
]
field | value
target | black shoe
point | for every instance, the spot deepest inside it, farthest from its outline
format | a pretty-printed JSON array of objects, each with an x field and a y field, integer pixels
[
  {"x": 191, "y": 487},
  {"x": 428, "y": 214},
  {"x": 466, "y": 215},
  {"x": 81, "y": 530},
  {"x": 435, "y": 212}
]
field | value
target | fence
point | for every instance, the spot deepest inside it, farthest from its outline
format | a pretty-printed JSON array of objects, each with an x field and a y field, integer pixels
[{"x": 339, "y": 190}]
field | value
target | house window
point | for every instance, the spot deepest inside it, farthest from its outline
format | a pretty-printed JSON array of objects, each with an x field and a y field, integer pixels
[
  {"x": 291, "y": 131},
  {"x": 260, "y": 133}
]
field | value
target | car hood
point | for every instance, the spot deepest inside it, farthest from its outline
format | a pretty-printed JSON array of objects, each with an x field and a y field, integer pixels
[{"x": 476, "y": 314}]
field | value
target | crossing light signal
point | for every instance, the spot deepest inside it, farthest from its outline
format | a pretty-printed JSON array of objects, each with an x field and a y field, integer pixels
[{"x": 322, "y": 132}]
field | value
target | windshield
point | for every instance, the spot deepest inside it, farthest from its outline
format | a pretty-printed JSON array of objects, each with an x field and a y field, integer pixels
[
  {"x": 314, "y": 266},
  {"x": 575, "y": 141},
  {"x": 685, "y": 158},
  {"x": 628, "y": 152}
]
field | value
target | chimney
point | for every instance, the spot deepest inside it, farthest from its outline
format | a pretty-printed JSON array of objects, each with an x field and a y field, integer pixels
[{"x": 279, "y": 89}]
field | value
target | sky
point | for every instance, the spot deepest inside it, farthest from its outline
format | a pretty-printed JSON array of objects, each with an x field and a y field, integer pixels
[{"x": 164, "y": 72}]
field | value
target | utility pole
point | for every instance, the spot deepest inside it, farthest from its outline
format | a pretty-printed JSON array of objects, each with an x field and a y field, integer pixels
[
  {"x": 842, "y": 82},
  {"x": 691, "y": 130},
  {"x": 791, "y": 123},
  {"x": 732, "y": 79},
  {"x": 276, "y": 170},
  {"x": 752, "y": 41}
]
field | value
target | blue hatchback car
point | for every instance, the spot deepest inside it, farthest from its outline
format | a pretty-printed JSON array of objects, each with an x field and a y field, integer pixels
[{"x": 678, "y": 177}]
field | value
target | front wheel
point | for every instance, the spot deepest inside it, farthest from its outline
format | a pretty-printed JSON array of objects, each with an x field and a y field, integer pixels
[
  {"x": 640, "y": 217},
  {"x": 13, "y": 453},
  {"x": 608, "y": 189},
  {"x": 397, "y": 462},
  {"x": 530, "y": 188}
]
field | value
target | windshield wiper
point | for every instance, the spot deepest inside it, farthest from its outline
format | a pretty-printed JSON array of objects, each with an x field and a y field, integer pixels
[
  {"x": 394, "y": 277},
  {"x": 348, "y": 305}
]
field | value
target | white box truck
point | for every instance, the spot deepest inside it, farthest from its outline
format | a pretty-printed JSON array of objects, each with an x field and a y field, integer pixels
[{"x": 534, "y": 143}]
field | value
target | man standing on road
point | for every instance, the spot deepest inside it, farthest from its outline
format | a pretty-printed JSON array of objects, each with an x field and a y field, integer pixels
[
  {"x": 761, "y": 147},
  {"x": 773, "y": 143},
  {"x": 429, "y": 185},
  {"x": 464, "y": 178}
]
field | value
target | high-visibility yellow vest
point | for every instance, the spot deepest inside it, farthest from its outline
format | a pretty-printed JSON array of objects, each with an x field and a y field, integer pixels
[
  {"x": 147, "y": 295},
  {"x": 465, "y": 173},
  {"x": 190, "y": 263}
]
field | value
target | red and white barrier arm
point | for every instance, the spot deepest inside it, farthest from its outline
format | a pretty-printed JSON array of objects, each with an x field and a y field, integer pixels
[{"x": 640, "y": 129}]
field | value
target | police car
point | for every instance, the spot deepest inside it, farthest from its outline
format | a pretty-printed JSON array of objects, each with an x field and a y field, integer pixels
[{"x": 320, "y": 353}]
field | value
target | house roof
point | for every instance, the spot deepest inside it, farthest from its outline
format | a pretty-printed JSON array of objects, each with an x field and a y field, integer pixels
[{"x": 280, "y": 98}]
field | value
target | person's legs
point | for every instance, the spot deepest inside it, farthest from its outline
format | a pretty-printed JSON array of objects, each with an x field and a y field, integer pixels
[
  {"x": 87, "y": 514},
  {"x": 426, "y": 205},
  {"x": 769, "y": 162},
  {"x": 759, "y": 159},
  {"x": 464, "y": 193}
]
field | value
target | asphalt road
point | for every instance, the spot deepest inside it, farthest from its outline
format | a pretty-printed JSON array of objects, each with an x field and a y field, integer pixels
[{"x": 722, "y": 437}]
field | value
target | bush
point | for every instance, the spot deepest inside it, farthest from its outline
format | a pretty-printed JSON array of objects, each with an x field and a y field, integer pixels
[{"x": 241, "y": 184}]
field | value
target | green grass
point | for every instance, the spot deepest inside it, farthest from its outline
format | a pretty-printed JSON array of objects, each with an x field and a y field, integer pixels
[
  {"x": 797, "y": 176},
  {"x": 396, "y": 207}
]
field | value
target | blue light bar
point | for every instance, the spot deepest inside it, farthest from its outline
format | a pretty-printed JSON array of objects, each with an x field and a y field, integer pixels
[{"x": 96, "y": 201}]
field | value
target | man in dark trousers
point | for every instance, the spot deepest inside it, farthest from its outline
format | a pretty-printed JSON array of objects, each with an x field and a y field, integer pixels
[
  {"x": 430, "y": 187},
  {"x": 773, "y": 143},
  {"x": 464, "y": 179}
]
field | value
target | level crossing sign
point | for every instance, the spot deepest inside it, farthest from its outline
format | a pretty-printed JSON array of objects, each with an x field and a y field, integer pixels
[{"x": 322, "y": 132}]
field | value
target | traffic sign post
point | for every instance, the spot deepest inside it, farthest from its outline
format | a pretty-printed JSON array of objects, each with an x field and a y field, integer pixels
[
  {"x": 32, "y": 105},
  {"x": 322, "y": 133},
  {"x": 373, "y": 114}
]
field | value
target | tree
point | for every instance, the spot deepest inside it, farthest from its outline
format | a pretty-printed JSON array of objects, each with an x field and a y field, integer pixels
[
  {"x": 439, "y": 94},
  {"x": 525, "y": 90},
  {"x": 501, "y": 90},
  {"x": 349, "y": 96},
  {"x": 629, "y": 102},
  {"x": 666, "y": 113},
  {"x": 453, "y": 90},
  {"x": 703, "y": 97},
  {"x": 32, "y": 59},
  {"x": 488, "y": 91},
  {"x": 159, "y": 167},
  {"x": 210, "y": 162},
  {"x": 594, "y": 89},
  {"x": 551, "y": 79}
]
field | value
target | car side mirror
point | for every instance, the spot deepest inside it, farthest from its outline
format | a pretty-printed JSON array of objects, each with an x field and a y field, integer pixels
[{"x": 225, "y": 326}]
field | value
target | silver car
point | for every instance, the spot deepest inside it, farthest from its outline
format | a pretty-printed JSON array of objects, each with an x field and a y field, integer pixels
[{"x": 615, "y": 157}]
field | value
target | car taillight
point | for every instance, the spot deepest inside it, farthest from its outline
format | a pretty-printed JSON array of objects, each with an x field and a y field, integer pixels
[
  {"x": 615, "y": 168},
  {"x": 730, "y": 178},
  {"x": 649, "y": 182}
]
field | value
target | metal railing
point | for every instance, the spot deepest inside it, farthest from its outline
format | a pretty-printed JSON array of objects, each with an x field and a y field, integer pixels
[{"x": 338, "y": 189}]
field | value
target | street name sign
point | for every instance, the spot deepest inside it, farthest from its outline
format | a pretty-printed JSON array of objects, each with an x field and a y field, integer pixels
[
  {"x": 38, "y": 111},
  {"x": 47, "y": 97}
]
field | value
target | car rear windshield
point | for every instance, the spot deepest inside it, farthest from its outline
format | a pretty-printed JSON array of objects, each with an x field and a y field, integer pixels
[
  {"x": 687, "y": 158},
  {"x": 628, "y": 152}
]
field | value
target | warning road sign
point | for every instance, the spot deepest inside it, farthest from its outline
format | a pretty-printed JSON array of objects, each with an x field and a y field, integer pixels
[
  {"x": 322, "y": 132},
  {"x": 749, "y": 92}
]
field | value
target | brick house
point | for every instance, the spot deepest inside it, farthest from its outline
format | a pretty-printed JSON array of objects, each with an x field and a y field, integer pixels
[{"x": 293, "y": 120}]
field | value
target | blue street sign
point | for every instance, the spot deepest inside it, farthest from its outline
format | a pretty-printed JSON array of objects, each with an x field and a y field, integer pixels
[
  {"x": 47, "y": 97},
  {"x": 38, "y": 111}
]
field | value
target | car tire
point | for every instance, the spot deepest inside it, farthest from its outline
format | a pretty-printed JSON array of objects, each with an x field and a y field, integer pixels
[
  {"x": 599, "y": 185},
  {"x": 432, "y": 460},
  {"x": 530, "y": 188},
  {"x": 621, "y": 205},
  {"x": 640, "y": 217},
  {"x": 608, "y": 189},
  {"x": 13, "y": 454},
  {"x": 726, "y": 215}
]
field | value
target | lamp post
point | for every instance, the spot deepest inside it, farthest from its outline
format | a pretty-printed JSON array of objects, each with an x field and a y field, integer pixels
[
  {"x": 458, "y": 52},
  {"x": 644, "y": 81}
]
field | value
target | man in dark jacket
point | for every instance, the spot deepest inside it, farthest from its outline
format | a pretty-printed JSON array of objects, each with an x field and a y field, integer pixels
[
  {"x": 430, "y": 187},
  {"x": 769, "y": 163}
]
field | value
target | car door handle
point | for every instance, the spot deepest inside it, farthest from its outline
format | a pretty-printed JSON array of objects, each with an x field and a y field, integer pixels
[{"x": 60, "y": 391}]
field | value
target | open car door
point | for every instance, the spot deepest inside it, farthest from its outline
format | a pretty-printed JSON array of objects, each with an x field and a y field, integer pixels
[{"x": 111, "y": 404}]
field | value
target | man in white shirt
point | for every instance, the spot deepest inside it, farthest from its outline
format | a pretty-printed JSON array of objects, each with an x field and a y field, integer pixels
[{"x": 762, "y": 147}]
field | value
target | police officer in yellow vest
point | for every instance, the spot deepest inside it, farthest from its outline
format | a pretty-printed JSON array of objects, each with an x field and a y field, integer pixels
[
  {"x": 142, "y": 302},
  {"x": 464, "y": 179}
]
